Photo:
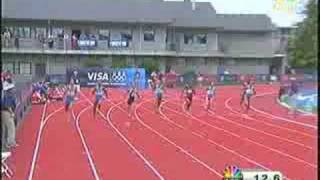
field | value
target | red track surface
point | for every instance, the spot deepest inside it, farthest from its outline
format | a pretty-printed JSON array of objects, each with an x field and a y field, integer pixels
[{"x": 168, "y": 145}]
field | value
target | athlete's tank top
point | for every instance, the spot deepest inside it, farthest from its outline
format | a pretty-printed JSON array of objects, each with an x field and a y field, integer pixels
[
  {"x": 70, "y": 90},
  {"x": 159, "y": 89},
  {"x": 99, "y": 91},
  {"x": 210, "y": 90},
  {"x": 131, "y": 93},
  {"x": 189, "y": 93},
  {"x": 249, "y": 90}
]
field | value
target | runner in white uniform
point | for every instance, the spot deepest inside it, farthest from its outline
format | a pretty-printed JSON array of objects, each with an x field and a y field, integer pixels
[
  {"x": 249, "y": 91},
  {"x": 210, "y": 95}
]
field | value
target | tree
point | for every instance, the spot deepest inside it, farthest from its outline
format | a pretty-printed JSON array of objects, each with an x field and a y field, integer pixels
[
  {"x": 93, "y": 62},
  {"x": 303, "y": 47},
  {"x": 150, "y": 64},
  {"x": 119, "y": 62}
]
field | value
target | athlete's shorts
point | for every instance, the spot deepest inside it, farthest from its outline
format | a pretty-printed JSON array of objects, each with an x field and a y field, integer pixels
[
  {"x": 248, "y": 95},
  {"x": 69, "y": 100},
  {"x": 189, "y": 98},
  {"x": 159, "y": 96},
  {"x": 77, "y": 87},
  {"x": 210, "y": 96},
  {"x": 99, "y": 98},
  {"x": 130, "y": 100}
]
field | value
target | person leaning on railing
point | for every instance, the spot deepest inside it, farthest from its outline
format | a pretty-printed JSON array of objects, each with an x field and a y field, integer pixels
[{"x": 8, "y": 105}]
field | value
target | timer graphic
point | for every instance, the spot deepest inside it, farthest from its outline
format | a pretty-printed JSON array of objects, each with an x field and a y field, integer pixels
[{"x": 258, "y": 174}]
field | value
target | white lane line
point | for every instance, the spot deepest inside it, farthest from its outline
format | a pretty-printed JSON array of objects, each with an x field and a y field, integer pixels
[
  {"x": 108, "y": 119},
  {"x": 203, "y": 122},
  {"x": 271, "y": 116},
  {"x": 263, "y": 122},
  {"x": 174, "y": 144},
  {"x": 263, "y": 132},
  {"x": 36, "y": 149},
  {"x": 245, "y": 139},
  {"x": 218, "y": 144},
  {"x": 303, "y": 113},
  {"x": 37, "y": 145},
  {"x": 282, "y": 153},
  {"x": 89, "y": 156},
  {"x": 247, "y": 127},
  {"x": 213, "y": 142}
]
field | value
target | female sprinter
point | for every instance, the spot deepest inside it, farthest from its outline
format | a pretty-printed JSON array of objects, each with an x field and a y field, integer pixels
[
  {"x": 211, "y": 89},
  {"x": 70, "y": 94},
  {"x": 243, "y": 92},
  {"x": 159, "y": 94},
  {"x": 153, "y": 80},
  {"x": 132, "y": 97},
  {"x": 99, "y": 91},
  {"x": 188, "y": 93},
  {"x": 250, "y": 90}
]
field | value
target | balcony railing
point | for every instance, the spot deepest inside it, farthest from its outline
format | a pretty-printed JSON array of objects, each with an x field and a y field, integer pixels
[{"x": 63, "y": 46}]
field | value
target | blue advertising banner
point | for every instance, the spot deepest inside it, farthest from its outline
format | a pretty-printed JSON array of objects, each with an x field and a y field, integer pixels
[
  {"x": 111, "y": 77},
  {"x": 228, "y": 78}
]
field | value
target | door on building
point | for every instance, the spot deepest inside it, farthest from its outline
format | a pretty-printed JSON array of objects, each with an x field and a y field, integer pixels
[{"x": 40, "y": 70}]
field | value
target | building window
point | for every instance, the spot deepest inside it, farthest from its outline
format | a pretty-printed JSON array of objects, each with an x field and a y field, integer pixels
[
  {"x": 8, "y": 66},
  {"x": 41, "y": 32},
  {"x": 126, "y": 36},
  {"x": 25, "y": 67},
  {"x": 188, "y": 38},
  {"x": 103, "y": 34},
  {"x": 22, "y": 32},
  {"x": 57, "y": 32},
  {"x": 148, "y": 34},
  {"x": 201, "y": 39}
]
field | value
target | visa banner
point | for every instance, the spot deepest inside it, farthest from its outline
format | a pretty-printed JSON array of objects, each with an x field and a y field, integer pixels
[{"x": 123, "y": 77}]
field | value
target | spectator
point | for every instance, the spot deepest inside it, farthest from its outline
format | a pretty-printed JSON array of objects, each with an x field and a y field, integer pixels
[
  {"x": 42, "y": 40},
  {"x": 8, "y": 105},
  {"x": 16, "y": 42},
  {"x": 294, "y": 88},
  {"x": 50, "y": 41},
  {"x": 200, "y": 80},
  {"x": 282, "y": 91},
  {"x": 65, "y": 40},
  {"x": 74, "y": 41},
  {"x": 7, "y": 38}
]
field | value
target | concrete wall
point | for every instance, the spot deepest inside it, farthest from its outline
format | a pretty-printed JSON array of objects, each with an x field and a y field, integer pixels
[
  {"x": 246, "y": 43},
  {"x": 57, "y": 64},
  {"x": 212, "y": 43},
  {"x": 233, "y": 43},
  {"x": 247, "y": 66}
]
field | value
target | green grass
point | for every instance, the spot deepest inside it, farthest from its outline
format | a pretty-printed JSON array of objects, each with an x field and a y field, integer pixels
[{"x": 285, "y": 99}]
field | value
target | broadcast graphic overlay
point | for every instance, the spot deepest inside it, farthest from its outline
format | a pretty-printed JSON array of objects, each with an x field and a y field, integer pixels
[{"x": 235, "y": 173}]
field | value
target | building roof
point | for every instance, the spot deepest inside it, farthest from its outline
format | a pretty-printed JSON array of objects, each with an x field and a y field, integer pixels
[{"x": 178, "y": 14}]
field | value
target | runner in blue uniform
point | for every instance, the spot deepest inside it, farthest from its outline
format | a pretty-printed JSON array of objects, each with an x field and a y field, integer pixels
[
  {"x": 70, "y": 94},
  {"x": 159, "y": 94},
  {"x": 100, "y": 92},
  {"x": 44, "y": 91},
  {"x": 211, "y": 89}
]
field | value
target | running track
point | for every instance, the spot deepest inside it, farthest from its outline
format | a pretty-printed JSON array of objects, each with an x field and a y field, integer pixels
[{"x": 169, "y": 145}]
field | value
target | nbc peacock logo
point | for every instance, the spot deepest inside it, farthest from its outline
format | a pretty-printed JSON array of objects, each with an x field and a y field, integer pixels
[{"x": 232, "y": 173}]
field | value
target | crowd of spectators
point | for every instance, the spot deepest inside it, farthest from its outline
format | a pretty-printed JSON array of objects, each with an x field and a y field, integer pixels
[
  {"x": 7, "y": 38},
  {"x": 8, "y": 106}
]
